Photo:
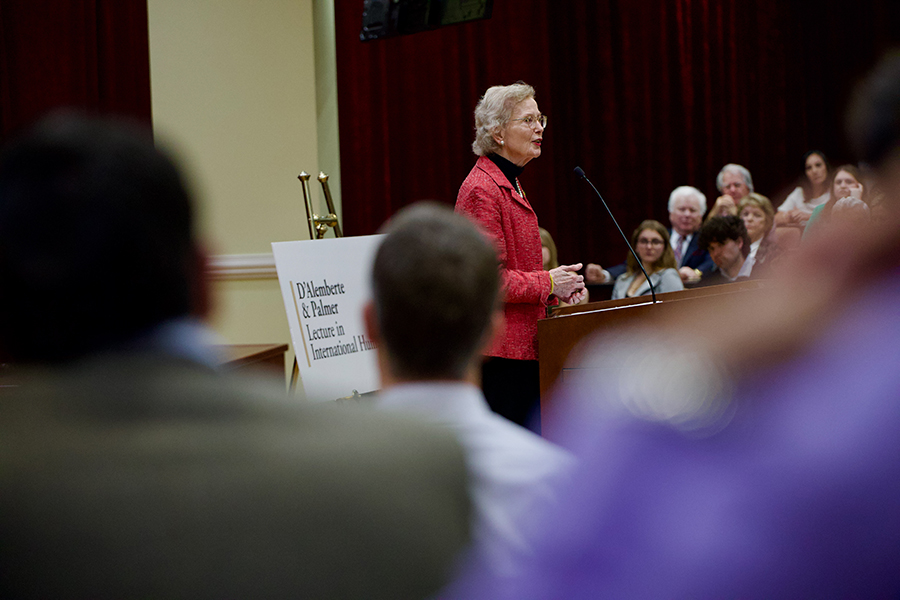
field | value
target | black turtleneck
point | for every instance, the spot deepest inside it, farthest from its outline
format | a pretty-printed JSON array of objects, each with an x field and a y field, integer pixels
[{"x": 512, "y": 171}]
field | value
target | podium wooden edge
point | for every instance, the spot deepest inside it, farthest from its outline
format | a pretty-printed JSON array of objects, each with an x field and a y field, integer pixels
[{"x": 560, "y": 334}]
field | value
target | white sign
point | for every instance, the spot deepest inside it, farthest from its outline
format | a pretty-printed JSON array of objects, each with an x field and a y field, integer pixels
[{"x": 325, "y": 284}]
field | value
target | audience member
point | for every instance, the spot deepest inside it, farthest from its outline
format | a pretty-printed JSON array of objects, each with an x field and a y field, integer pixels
[
  {"x": 130, "y": 467},
  {"x": 651, "y": 242},
  {"x": 747, "y": 452},
  {"x": 851, "y": 209},
  {"x": 759, "y": 218},
  {"x": 847, "y": 183},
  {"x": 548, "y": 250},
  {"x": 733, "y": 182},
  {"x": 436, "y": 306},
  {"x": 686, "y": 207},
  {"x": 812, "y": 192},
  {"x": 551, "y": 261},
  {"x": 722, "y": 208},
  {"x": 594, "y": 274},
  {"x": 727, "y": 241}
]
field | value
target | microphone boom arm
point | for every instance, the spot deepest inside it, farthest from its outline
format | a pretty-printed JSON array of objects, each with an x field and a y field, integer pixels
[{"x": 580, "y": 172}]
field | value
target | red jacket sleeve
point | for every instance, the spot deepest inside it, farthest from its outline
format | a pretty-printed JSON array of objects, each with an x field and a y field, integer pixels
[{"x": 512, "y": 227}]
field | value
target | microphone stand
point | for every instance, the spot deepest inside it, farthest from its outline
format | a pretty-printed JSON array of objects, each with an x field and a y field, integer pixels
[{"x": 580, "y": 172}]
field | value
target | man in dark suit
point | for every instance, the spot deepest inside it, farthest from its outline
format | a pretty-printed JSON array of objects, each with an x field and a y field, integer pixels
[
  {"x": 129, "y": 467},
  {"x": 686, "y": 208}
]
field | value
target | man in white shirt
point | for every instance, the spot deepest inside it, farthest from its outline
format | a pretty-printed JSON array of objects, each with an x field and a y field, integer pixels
[
  {"x": 728, "y": 244},
  {"x": 436, "y": 305}
]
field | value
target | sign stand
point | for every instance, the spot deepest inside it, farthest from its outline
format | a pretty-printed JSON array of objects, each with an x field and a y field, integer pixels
[{"x": 324, "y": 287}]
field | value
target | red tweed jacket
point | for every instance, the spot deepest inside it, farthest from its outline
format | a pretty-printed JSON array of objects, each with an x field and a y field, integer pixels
[{"x": 487, "y": 198}]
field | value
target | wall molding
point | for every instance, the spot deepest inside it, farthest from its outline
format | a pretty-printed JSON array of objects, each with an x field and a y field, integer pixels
[{"x": 242, "y": 266}]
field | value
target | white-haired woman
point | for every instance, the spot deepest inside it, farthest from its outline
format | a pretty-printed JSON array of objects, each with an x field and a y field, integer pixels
[{"x": 509, "y": 132}]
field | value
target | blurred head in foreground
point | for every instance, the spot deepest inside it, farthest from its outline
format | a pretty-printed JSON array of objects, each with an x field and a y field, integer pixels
[
  {"x": 436, "y": 295},
  {"x": 873, "y": 121},
  {"x": 873, "y": 126},
  {"x": 95, "y": 239}
]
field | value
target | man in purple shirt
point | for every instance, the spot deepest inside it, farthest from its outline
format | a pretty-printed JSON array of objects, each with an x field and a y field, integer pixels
[{"x": 759, "y": 458}]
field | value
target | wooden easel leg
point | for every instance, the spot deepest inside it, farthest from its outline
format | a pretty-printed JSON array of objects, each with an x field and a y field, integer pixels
[{"x": 295, "y": 376}]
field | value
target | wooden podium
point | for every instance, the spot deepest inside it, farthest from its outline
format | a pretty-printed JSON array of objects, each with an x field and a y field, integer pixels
[{"x": 560, "y": 334}]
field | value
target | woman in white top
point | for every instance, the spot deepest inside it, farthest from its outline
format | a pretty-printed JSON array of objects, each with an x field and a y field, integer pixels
[
  {"x": 815, "y": 191},
  {"x": 651, "y": 242}
]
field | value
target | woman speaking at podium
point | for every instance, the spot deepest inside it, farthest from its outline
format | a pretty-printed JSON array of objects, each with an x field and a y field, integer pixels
[{"x": 509, "y": 131}]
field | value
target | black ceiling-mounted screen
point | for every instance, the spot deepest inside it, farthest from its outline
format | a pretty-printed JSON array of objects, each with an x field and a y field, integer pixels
[{"x": 388, "y": 18}]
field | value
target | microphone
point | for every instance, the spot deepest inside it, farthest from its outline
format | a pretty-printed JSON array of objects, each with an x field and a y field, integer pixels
[{"x": 580, "y": 173}]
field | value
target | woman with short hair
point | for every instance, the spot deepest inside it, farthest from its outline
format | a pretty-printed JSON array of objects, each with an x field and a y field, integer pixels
[
  {"x": 509, "y": 132},
  {"x": 758, "y": 215}
]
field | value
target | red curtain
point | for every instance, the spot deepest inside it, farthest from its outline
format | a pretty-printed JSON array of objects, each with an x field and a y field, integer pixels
[
  {"x": 644, "y": 95},
  {"x": 87, "y": 54}
]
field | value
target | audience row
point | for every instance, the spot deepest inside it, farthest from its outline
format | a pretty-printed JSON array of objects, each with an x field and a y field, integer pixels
[{"x": 740, "y": 235}]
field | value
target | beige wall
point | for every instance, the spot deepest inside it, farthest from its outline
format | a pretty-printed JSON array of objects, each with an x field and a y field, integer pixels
[
  {"x": 326, "y": 97},
  {"x": 234, "y": 92}
]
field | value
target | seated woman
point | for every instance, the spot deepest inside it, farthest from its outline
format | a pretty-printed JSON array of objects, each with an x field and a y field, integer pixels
[
  {"x": 548, "y": 250},
  {"x": 847, "y": 183},
  {"x": 548, "y": 253},
  {"x": 758, "y": 215},
  {"x": 651, "y": 242},
  {"x": 813, "y": 191}
]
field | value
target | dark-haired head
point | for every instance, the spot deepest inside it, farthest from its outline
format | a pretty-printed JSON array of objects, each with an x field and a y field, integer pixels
[
  {"x": 873, "y": 121},
  {"x": 95, "y": 239},
  {"x": 818, "y": 153},
  {"x": 722, "y": 229},
  {"x": 817, "y": 174},
  {"x": 436, "y": 282}
]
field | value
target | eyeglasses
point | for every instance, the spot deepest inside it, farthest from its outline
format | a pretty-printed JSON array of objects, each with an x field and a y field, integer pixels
[
  {"x": 532, "y": 120},
  {"x": 653, "y": 242}
]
